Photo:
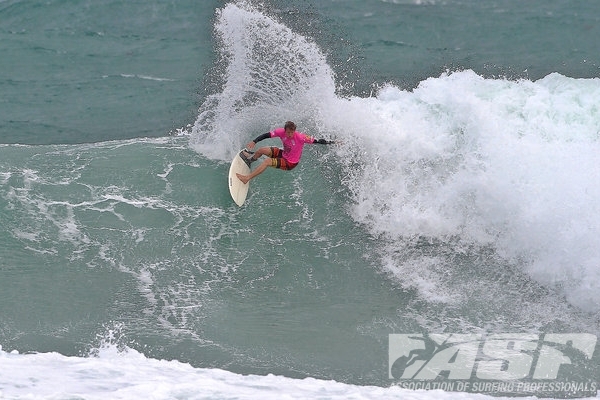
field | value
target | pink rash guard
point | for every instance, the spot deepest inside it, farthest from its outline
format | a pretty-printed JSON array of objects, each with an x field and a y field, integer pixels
[{"x": 292, "y": 148}]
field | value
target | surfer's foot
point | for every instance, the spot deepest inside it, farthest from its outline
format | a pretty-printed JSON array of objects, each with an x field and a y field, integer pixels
[
  {"x": 248, "y": 155},
  {"x": 243, "y": 178}
]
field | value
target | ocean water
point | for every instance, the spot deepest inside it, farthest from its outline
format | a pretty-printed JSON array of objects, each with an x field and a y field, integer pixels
[{"x": 462, "y": 197}]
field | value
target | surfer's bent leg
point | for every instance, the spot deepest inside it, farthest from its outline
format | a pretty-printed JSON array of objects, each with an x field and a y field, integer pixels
[
  {"x": 274, "y": 159},
  {"x": 263, "y": 151}
]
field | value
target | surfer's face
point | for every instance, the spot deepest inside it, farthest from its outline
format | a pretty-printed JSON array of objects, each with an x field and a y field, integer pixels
[{"x": 289, "y": 133}]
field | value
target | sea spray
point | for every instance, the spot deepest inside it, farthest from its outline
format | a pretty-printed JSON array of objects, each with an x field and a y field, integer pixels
[
  {"x": 461, "y": 159},
  {"x": 269, "y": 74}
]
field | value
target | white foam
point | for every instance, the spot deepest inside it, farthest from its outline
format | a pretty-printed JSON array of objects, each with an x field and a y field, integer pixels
[
  {"x": 270, "y": 73},
  {"x": 514, "y": 165},
  {"x": 113, "y": 374},
  {"x": 508, "y": 165}
]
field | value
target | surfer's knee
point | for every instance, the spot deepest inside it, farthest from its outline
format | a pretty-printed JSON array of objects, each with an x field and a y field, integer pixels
[{"x": 265, "y": 151}]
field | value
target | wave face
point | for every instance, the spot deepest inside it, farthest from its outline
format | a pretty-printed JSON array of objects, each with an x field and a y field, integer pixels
[{"x": 461, "y": 159}]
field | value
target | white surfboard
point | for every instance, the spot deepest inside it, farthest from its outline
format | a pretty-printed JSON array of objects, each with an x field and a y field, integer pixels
[{"x": 238, "y": 190}]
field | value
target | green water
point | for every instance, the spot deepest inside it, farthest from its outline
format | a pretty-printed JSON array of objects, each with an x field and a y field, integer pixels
[{"x": 115, "y": 230}]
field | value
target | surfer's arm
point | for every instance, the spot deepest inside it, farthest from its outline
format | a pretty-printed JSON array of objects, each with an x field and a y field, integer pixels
[
  {"x": 258, "y": 139},
  {"x": 262, "y": 137}
]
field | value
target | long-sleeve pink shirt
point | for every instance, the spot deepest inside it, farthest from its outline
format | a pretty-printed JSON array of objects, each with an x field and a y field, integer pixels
[{"x": 292, "y": 148}]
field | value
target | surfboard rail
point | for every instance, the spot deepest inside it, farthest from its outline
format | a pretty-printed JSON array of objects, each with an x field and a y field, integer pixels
[{"x": 237, "y": 188}]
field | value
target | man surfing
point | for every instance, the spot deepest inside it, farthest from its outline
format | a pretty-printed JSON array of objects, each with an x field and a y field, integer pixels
[{"x": 286, "y": 158}]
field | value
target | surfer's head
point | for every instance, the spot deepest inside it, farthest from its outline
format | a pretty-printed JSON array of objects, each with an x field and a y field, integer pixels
[{"x": 290, "y": 128}]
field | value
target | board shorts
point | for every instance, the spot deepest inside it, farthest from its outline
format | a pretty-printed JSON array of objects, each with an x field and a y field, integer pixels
[{"x": 278, "y": 161}]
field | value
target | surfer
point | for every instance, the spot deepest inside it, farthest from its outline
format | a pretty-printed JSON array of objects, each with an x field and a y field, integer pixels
[{"x": 286, "y": 158}]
